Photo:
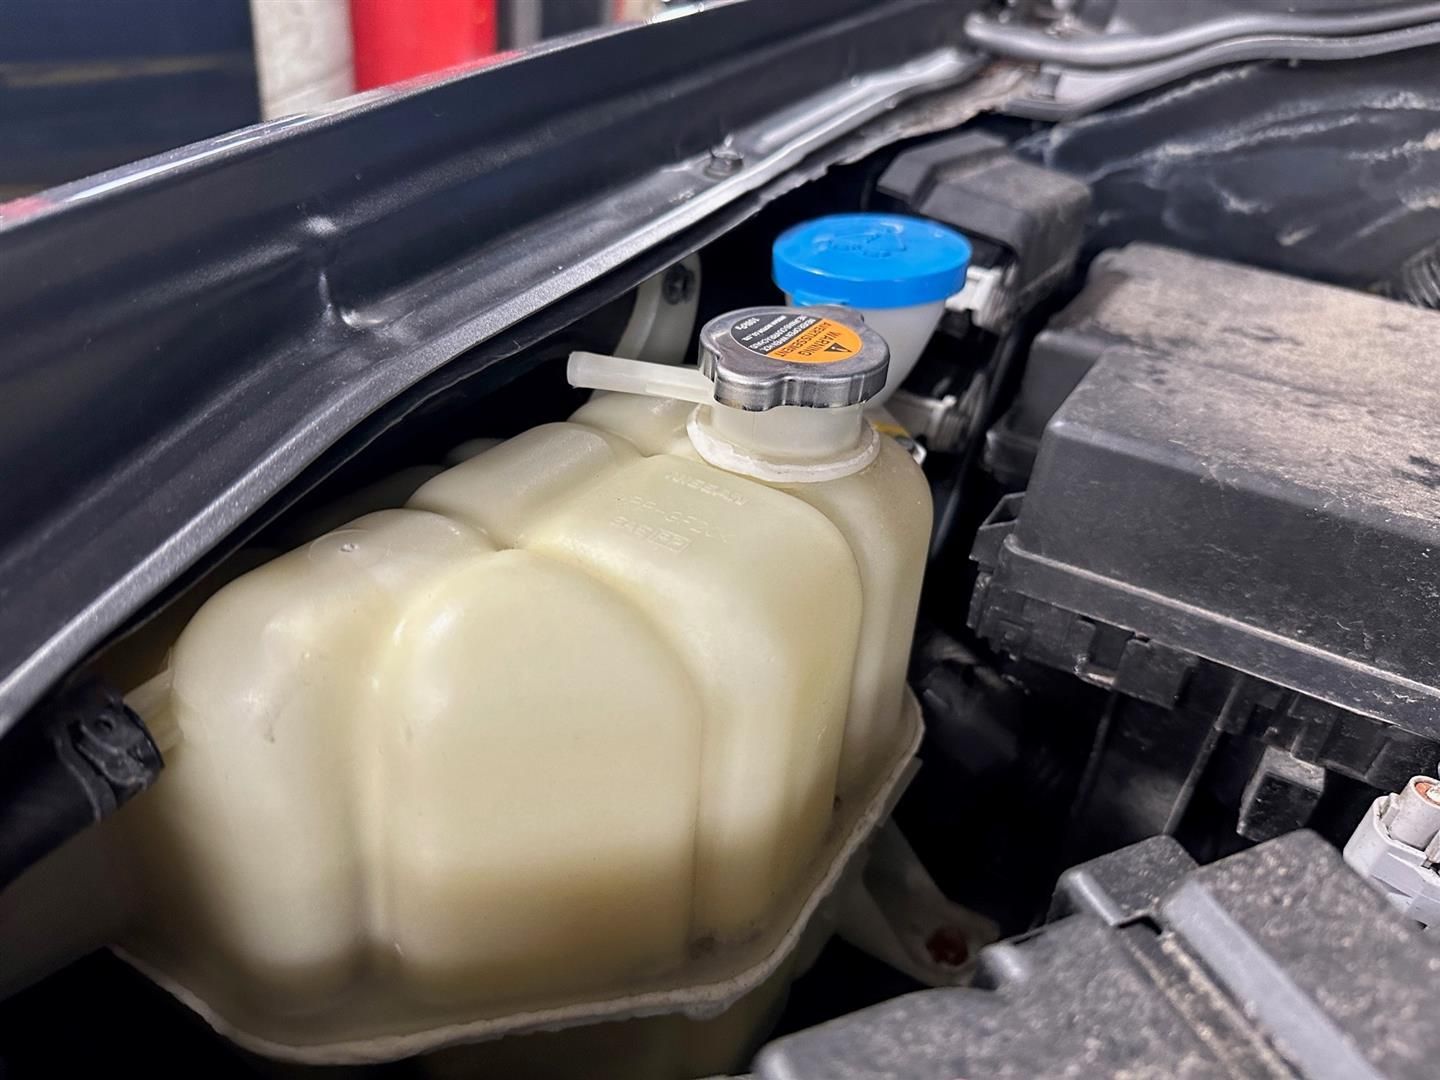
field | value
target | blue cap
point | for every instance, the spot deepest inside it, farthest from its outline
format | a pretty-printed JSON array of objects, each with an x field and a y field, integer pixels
[{"x": 869, "y": 261}]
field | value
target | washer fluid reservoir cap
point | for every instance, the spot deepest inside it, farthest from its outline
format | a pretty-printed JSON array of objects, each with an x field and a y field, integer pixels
[
  {"x": 763, "y": 357},
  {"x": 870, "y": 261}
]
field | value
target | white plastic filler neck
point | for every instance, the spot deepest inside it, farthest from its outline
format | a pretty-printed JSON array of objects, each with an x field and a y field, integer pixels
[{"x": 780, "y": 391}]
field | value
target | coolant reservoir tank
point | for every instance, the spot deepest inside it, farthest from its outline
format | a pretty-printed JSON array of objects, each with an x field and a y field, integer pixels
[{"x": 584, "y": 730}]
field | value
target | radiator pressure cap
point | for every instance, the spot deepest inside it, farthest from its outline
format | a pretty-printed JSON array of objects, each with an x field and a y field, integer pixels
[{"x": 821, "y": 358}]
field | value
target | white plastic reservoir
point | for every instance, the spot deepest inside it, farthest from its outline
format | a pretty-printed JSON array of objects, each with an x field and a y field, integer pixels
[{"x": 579, "y": 723}]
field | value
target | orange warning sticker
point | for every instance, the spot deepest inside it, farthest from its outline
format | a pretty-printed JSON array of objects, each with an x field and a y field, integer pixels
[{"x": 799, "y": 339}]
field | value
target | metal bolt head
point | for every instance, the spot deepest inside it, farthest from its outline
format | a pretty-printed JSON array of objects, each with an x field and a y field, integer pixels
[
  {"x": 725, "y": 160},
  {"x": 678, "y": 284}
]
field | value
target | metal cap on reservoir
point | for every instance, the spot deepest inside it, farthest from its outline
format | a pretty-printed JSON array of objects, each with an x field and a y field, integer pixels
[
  {"x": 870, "y": 261},
  {"x": 763, "y": 357}
]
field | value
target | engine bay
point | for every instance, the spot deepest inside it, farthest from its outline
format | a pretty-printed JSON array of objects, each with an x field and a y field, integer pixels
[{"x": 971, "y": 616}]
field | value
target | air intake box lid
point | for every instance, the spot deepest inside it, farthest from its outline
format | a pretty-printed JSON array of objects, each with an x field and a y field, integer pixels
[{"x": 1249, "y": 473}]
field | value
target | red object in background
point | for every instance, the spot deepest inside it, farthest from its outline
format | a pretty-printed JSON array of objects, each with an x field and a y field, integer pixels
[{"x": 399, "y": 39}]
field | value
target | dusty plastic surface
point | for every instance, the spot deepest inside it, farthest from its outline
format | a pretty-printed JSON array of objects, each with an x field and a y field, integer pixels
[
  {"x": 586, "y": 730},
  {"x": 1246, "y": 474},
  {"x": 1272, "y": 962}
]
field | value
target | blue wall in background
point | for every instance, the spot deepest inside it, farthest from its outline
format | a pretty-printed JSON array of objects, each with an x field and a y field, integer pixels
[{"x": 89, "y": 84}]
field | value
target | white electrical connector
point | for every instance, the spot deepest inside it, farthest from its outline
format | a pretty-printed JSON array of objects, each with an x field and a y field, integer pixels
[
  {"x": 1397, "y": 845},
  {"x": 981, "y": 296}
]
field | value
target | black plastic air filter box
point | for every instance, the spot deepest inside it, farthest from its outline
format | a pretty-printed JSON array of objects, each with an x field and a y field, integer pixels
[{"x": 1248, "y": 475}]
